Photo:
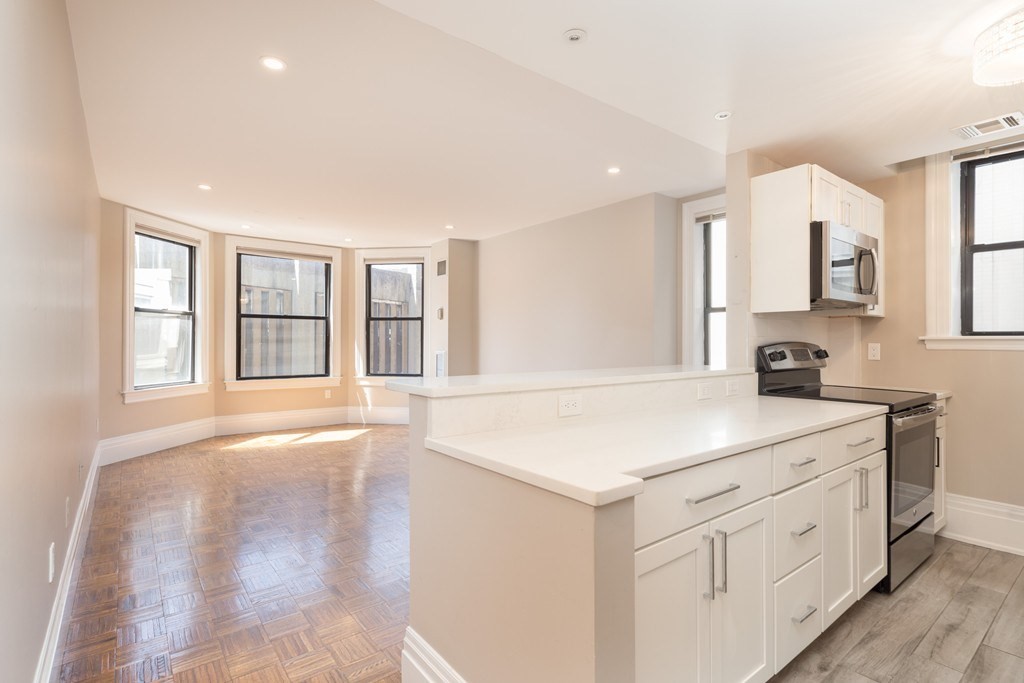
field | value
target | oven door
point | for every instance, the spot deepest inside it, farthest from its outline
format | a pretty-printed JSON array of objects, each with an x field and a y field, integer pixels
[{"x": 911, "y": 467}]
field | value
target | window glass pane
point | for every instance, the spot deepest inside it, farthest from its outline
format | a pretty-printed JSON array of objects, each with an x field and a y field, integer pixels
[
  {"x": 396, "y": 290},
  {"x": 999, "y": 202},
  {"x": 163, "y": 349},
  {"x": 282, "y": 286},
  {"x": 271, "y": 347},
  {"x": 716, "y": 339},
  {"x": 162, "y": 274},
  {"x": 394, "y": 347},
  {"x": 999, "y": 291},
  {"x": 718, "y": 257}
]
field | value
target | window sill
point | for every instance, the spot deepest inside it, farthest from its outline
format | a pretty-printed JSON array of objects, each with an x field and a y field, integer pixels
[
  {"x": 374, "y": 381},
  {"x": 979, "y": 343},
  {"x": 290, "y": 383},
  {"x": 157, "y": 393}
]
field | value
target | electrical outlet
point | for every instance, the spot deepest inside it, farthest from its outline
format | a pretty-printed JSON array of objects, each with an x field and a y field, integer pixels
[
  {"x": 327, "y": 393},
  {"x": 80, "y": 468},
  {"x": 874, "y": 351},
  {"x": 570, "y": 404},
  {"x": 67, "y": 512},
  {"x": 53, "y": 560},
  {"x": 703, "y": 391},
  {"x": 732, "y": 387}
]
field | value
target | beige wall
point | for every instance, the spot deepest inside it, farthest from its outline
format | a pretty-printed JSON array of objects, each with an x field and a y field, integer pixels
[
  {"x": 50, "y": 213},
  {"x": 985, "y": 430},
  {"x": 592, "y": 290}
]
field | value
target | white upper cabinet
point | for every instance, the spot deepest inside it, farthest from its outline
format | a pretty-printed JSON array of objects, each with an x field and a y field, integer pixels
[{"x": 782, "y": 206}]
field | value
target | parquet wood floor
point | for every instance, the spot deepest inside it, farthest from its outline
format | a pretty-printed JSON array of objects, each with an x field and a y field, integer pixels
[{"x": 268, "y": 557}]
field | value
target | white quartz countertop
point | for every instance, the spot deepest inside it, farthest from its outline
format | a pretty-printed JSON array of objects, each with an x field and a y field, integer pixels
[
  {"x": 604, "y": 459},
  {"x": 440, "y": 387}
]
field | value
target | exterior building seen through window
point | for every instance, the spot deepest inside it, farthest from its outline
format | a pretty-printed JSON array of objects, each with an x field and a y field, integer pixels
[
  {"x": 164, "y": 312},
  {"x": 992, "y": 266},
  {"x": 394, "y": 319},
  {"x": 283, "y": 317}
]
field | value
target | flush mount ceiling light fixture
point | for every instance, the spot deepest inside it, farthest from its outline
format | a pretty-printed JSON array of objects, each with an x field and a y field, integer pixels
[
  {"x": 999, "y": 52},
  {"x": 722, "y": 115},
  {"x": 575, "y": 35},
  {"x": 449, "y": 227},
  {"x": 614, "y": 170},
  {"x": 204, "y": 187},
  {"x": 273, "y": 63}
]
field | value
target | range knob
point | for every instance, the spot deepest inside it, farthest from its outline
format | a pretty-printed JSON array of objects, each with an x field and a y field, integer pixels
[
  {"x": 821, "y": 353},
  {"x": 782, "y": 355},
  {"x": 773, "y": 356}
]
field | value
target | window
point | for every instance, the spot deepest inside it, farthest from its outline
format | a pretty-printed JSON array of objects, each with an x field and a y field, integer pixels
[
  {"x": 164, "y": 295},
  {"x": 714, "y": 289},
  {"x": 282, "y": 326},
  {"x": 992, "y": 263},
  {"x": 394, "y": 319},
  {"x": 166, "y": 348}
]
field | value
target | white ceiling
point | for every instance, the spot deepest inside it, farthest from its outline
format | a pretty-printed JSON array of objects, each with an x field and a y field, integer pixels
[{"x": 383, "y": 129}]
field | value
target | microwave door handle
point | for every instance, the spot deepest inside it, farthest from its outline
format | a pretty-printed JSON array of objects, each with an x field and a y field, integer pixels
[{"x": 874, "y": 272}]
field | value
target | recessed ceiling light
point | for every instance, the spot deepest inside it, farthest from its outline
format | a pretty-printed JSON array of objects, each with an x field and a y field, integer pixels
[
  {"x": 273, "y": 63},
  {"x": 449, "y": 227},
  {"x": 614, "y": 170},
  {"x": 204, "y": 186},
  {"x": 575, "y": 35},
  {"x": 246, "y": 227},
  {"x": 722, "y": 115},
  {"x": 348, "y": 239}
]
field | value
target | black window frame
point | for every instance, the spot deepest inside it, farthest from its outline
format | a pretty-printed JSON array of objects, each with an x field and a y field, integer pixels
[
  {"x": 168, "y": 312},
  {"x": 370, "y": 318},
  {"x": 239, "y": 316},
  {"x": 968, "y": 248},
  {"x": 706, "y": 223}
]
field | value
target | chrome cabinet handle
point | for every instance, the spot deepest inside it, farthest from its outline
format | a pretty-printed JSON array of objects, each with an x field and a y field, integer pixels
[
  {"x": 811, "y": 526},
  {"x": 938, "y": 452},
  {"x": 698, "y": 501},
  {"x": 867, "y": 489},
  {"x": 860, "y": 443},
  {"x": 802, "y": 463},
  {"x": 710, "y": 595},
  {"x": 860, "y": 489},
  {"x": 807, "y": 615},
  {"x": 725, "y": 560}
]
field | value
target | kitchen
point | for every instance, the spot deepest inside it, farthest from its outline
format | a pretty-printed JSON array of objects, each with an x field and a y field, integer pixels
[{"x": 604, "y": 246}]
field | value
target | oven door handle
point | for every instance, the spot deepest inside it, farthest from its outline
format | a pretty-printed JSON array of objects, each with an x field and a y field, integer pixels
[{"x": 926, "y": 415}]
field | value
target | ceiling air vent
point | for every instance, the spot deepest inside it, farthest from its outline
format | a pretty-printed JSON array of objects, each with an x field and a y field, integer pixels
[{"x": 1000, "y": 123}]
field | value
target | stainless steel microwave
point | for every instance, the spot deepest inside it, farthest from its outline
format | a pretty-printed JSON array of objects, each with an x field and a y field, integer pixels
[{"x": 844, "y": 267}]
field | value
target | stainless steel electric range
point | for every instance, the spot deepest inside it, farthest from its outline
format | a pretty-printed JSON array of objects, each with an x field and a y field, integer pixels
[{"x": 793, "y": 370}]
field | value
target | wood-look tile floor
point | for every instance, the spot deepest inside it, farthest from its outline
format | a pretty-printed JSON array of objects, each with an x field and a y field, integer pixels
[
  {"x": 268, "y": 557},
  {"x": 959, "y": 618}
]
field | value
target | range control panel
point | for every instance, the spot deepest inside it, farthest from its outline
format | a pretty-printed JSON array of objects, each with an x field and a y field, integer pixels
[{"x": 790, "y": 356}]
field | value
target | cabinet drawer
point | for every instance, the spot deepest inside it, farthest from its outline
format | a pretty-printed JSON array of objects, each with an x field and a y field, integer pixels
[
  {"x": 797, "y": 527},
  {"x": 850, "y": 442},
  {"x": 680, "y": 500},
  {"x": 796, "y": 461},
  {"x": 797, "y": 597}
]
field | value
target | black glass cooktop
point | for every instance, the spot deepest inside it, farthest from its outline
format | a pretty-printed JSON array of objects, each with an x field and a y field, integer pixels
[{"x": 895, "y": 399}]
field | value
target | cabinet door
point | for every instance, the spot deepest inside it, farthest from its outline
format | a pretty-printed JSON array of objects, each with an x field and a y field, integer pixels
[
  {"x": 673, "y": 596},
  {"x": 743, "y": 611},
  {"x": 840, "y": 497},
  {"x": 853, "y": 206},
  {"x": 940, "y": 478},
  {"x": 872, "y": 536},
  {"x": 874, "y": 225},
  {"x": 826, "y": 196}
]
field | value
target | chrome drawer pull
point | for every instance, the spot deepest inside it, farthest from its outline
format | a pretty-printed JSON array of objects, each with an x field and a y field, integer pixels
[
  {"x": 807, "y": 615},
  {"x": 811, "y": 526},
  {"x": 805, "y": 461},
  {"x": 711, "y": 567},
  {"x": 697, "y": 501},
  {"x": 860, "y": 443}
]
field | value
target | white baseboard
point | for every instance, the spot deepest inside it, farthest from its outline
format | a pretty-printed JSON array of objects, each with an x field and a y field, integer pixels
[
  {"x": 77, "y": 538},
  {"x": 118, "y": 448},
  {"x": 422, "y": 664},
  {"x": 999, "y": 526},
  {"x": 378, "y": 416},
  {"x": 283, "y": 419}
]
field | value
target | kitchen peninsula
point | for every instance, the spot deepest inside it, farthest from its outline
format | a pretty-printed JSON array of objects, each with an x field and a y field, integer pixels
[{"x": 583, "y": 548}]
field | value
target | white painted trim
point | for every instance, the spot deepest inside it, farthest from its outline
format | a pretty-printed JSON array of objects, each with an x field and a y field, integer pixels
[
  {"x": 118, "y": 448},
  {"x": 974, "y": 343},
  {"x": 422, "y": 663},
  {"x": 691, "y": 295},
  {"x": 233, "y": 244},
  {"x": 368, "y": 415},
  {"x": 157, "y": 393},
  {"x": 284, "y": 383},
  {"x": 285, "y": 419},
  {"x": 79, "y": 533},
  {"x": 999, "y": 526},
  {"x": 373, "y": 381}
]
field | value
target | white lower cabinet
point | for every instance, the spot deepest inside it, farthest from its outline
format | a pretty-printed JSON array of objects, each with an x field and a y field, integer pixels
[
  {"x": 798, "y": 615},
  {"x": 854, "y": 541},
  {"x": 705, "y": 602}
]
